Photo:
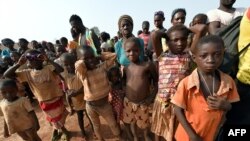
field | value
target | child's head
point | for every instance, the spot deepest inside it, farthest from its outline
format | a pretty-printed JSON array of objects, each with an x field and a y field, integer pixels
[
  {"x": 177, "y": 38},
  {"x": 132, "y": 50},
  {"x": 199, "y": 19},
  {"x": 35, "y": 60},
  {"x": 60, "y": 49},
  {"x": 104, "y": 36},
  {"x": 145, "y": 27},
  {"x": 8, "y": 43},
  {"x": 14, "y": 55},
  {"x": 158, "y": 19},
  {"x": 88, "y": 55},
  {"x": 64, "y": 41},
  {"x": 34, "y": 44},
  {"x": 50, "y": 46},
  {"x": 114, "y": 75},
  {"x": 208, "y": 54},
  {"x": 125, "y": 24},
  {"x": 8, "y": 89},
  {"x": 178, "y": 16},
  {"x": 23, "y": 43},
  {"x": 69, "y": 60}
]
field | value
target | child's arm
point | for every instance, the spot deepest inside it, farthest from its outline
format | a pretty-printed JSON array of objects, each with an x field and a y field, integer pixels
[
  {"x": 183, "y": 121},
  {"x": 154, "y": 77},
  {"x": 10, "y": 73},
  {"x": 6, "y": 131},
  {"x": 110, "y": 58},
  {"x": 156, "y": 41},
  {"x": 199, "y": 31},
  {"x": 35, "y": 120},
  {"x": 72, "y": 93},
  {"x": 218, "y": 103},
  {"x": 58, "y": 68}
]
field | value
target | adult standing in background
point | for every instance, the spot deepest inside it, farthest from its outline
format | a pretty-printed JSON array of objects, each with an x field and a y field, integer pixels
[
  {"x": 125, "y": 25},
  {"x": 223, "y": 15},
  {"x": 85, "y": 35},
  {"x": 178, "y": 16}
]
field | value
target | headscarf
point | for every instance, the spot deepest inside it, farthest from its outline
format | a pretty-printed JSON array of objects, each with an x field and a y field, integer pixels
[{"x": 125, "y": 17}]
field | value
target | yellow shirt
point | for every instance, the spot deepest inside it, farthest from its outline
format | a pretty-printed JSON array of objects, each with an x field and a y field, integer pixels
[
  {"x": 244, "y": 64},
  {"x": 43, "y": 83}
]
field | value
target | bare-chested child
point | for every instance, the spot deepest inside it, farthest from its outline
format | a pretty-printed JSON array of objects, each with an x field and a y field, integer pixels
[{"x": 139, "y": 76}]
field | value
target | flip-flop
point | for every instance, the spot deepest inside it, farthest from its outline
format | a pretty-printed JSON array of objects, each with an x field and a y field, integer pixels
[{"x": 55, "y": 136}]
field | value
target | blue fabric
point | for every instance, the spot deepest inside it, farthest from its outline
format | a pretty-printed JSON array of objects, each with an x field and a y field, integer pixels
[
  {"x": 121, "y": 54},
  {"x": 5, "y": 53}
]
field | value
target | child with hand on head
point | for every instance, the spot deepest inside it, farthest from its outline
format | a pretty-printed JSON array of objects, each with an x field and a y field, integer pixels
[
  {"x": 19, "y": 115},
  {"x": 43, "y": 81},
  {"x": 139, "y": 76},
  {"x": 174, "y": 65},
  {"x": 116, "y": 93},
  {"x": 74, "y": 89},
  {"x": 203, "y": 98},
  {"x": 92, "y": 73}
]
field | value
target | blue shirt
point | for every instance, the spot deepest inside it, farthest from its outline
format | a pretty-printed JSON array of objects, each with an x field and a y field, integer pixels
[{"x": 121, "y": 54}]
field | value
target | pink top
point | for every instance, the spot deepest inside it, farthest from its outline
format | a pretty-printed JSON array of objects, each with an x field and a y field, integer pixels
[{"x": 145, "y": 38}]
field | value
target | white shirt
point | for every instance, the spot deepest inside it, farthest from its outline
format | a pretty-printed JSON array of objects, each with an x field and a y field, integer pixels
[{"x": 224, "y": 17}]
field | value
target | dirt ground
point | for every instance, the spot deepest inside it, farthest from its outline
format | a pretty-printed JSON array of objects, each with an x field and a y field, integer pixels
[{"x": 45, "y": 131}]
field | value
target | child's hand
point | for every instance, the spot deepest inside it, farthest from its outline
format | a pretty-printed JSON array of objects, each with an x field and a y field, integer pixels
[
  {"x": 218, "y": 103},
  {"x": 22, "y": 60},
  {"x": 110, "y": 98}
]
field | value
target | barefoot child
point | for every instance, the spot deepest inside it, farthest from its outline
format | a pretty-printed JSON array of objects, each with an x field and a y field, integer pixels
[
  {"x": 75, "y": 89},
  {"x": 174, "y": 65},
  {"x": 203, "y": 98},
  {"x": 44, "y": 85},
  {"x": 93, "y": 76},
  {"x": 139, "y": 76},
  {"x": 19, "y": 116},
  {"x": 116, "y": 93}
]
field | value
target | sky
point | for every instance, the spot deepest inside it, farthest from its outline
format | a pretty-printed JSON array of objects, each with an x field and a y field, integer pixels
[{"x": 49, "y": 19}]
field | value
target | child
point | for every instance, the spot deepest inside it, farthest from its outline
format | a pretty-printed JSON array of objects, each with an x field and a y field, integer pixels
[
  {"x": 75, "y": 89},
  {"x": 44, "y": 85},
  {"x": 93, "y": 76},
  {"x": 199, "y": 19},
  {"x": 19, "y": 116},
  {"x": 203, "y": 98},
  {"x": 174, "y": 65},
  {"x": 139, "y": 76},
  {"x": 116, "y": 94}
]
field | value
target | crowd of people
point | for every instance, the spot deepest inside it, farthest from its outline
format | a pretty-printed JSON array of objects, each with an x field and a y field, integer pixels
[{"x": 165, "y": 83}]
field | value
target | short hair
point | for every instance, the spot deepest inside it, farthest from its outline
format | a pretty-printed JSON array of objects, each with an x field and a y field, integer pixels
[
  {"x": 210, "y": 39},
  {"x": 202, "y": 16},
  {"x": 69, "y": 56},
  {"x": 181, "y": 28},
  {"x": 23, "y": 40},
  {"x": 114, "y": 69},
  {"x": 7, "y": 41},
  {"x": 133, "y": 40},
  {"x": 75, "y": 17},
  {"x": 105, "y": 36},
  {"x": 145, "y": 23},
  {"x": 160, "y": 13},
  {"x": 86, "y": 48},
  {"x": 64, "y": 39},
  {"x": 177, "y": 11},
  {"x": 8, "y": 82}
]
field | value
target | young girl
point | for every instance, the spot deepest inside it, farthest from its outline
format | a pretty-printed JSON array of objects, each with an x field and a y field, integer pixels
[
  {"x": 19, "y": 116},
  {"x": 116, "y": 93},
  {"x": 174, "y": 65},
  {"x": 75, "y": 89},
  {"x": 44, "y": 85},
  {"x": 203, "y": 98}
]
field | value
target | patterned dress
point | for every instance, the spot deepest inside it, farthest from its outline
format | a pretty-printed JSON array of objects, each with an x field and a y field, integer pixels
[
  {"x": 172, "y": 69},
  {"x": 117, "y": 97}
]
